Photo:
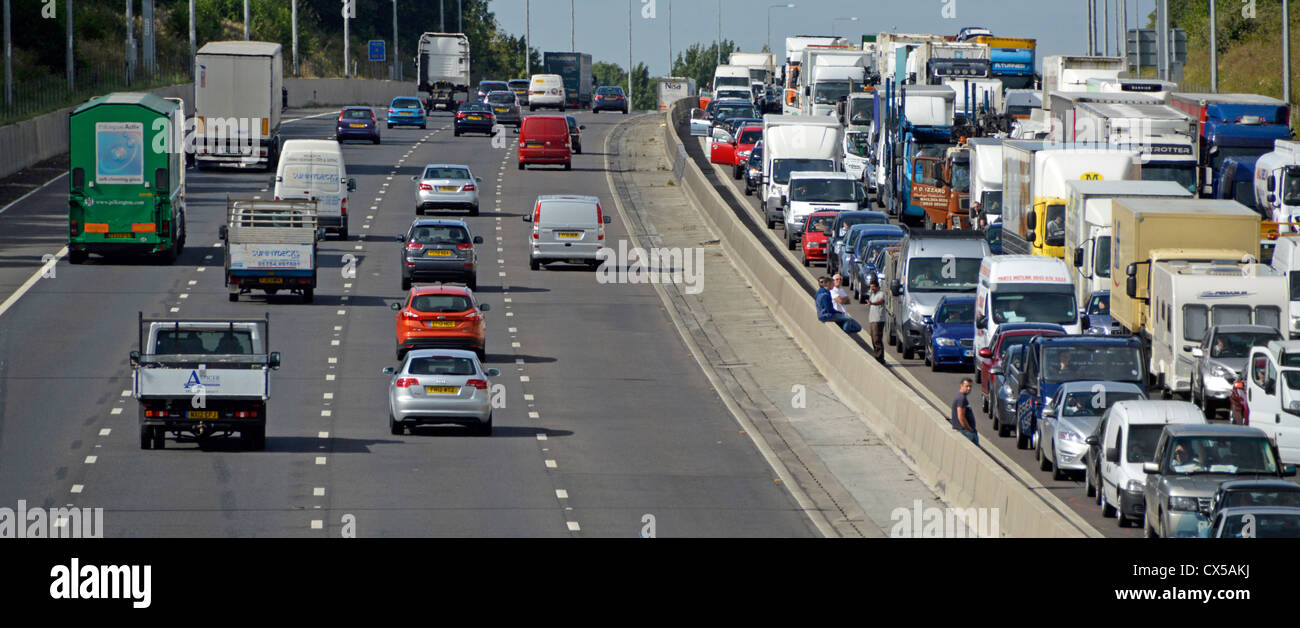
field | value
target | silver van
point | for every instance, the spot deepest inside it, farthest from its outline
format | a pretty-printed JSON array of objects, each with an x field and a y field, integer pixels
[
  {"x": 932, "y": 264},
  {"x": 566, "y": 228}
]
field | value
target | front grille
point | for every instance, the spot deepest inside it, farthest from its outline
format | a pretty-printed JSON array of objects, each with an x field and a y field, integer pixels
[{"x": 1203, "y": 504}]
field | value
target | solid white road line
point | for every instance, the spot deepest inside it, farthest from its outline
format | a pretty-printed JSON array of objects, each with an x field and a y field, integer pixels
[{"x": 31, "y": 281}]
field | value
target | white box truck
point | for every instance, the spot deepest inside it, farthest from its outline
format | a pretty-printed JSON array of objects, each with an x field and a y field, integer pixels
[
  {"x": 793, "y": 143},
  {"x": 238, "y": 98},
  {"x": 829, "y": 75},
  {"x": 442, "y": 69},
  {"x": 986, "y": 179},
  {"x": 1070, "y": 73},
  {"x": 761, "y": 65},
  {"x": 672, "y": 89},
  {"x": 1277, "y": 185}
]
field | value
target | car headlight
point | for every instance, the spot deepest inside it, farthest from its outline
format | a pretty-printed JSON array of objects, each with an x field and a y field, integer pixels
[
  {"x": 1183, "y": 503},
  {"x": 1069, "y": 436},
  {"x": 1219, "y": 371},
  {"x": 945, "y": 342},
  {"x": 1005, "y": 393},
  {"x": 1134, "y": 486}
]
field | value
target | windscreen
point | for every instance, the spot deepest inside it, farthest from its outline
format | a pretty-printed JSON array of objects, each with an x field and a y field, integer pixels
[
  {"x": 1054, "y": 231},
  {"x": 440, "y": 303},
  {"x": 952, "y": 314},
  {"x": 823, "y": 190},
  {"x": 1012, "y": 306},
  {"x": 861, "y": 111},
  {"x": 992, "y": 203},
  {"x": 1263, "y": 525},
  {"x": 407, "y": 103},
  {"x": 943, "y": 274},
  {"x": 204, "y": 342},
  {"x": 1215, "y": 454},
  {"x": 357, "y": 114},
  {"x": 781, "y": 168},
  {"x": 1104, "y": 363},
  {"x": 733, "y": 111},
  {"x": 1260, "y": 496},
  {"x": 1238, "y": 344},
  {"x": 1290, "y": 186},
  {"x": 730, "y": 81},
  {"x": 610, "y": 91},
  {"x": 859, "y": 144},
  {"x": 440, "y": 365},
  {"x": 1101, "y": 257},
  {"x": 1087, "y": 403},
  {"x": 827, "y": 92},
  {"x": 751, "y": 137},
  {"x": 568, "y": 213},
  {"x": 446, "y": 173},
  {"x": 436, "y": 234},
  {"x": 1182, "y": 174},
  {"x": 819, "y": 224},
  {"x": 961, "y": 176},
  {"x": 499, "y": 98},
  {"x": 1099, "y": 304}
]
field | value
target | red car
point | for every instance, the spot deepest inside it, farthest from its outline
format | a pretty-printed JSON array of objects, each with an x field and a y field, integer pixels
[
  {"x": 545, "y": 140},
  {"x": 736, "y": 152},
  {"x": 814, "y": 236},
  {"x": 1007, "y": 335},
  {"x": 440, "y": 317}
]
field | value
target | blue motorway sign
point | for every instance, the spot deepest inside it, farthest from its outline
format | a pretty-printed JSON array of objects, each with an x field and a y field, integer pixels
[{"x": 377, "y": 50}]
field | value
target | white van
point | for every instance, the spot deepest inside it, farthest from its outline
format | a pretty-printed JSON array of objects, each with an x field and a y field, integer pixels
[
  {"x": 1272, "y": 382},
  {"x": 546, "y": 90},
  {"x": 1286, "y": 260},
  {"x": 1023, "y": 289},
  {"x": 567, "y": 228},
  {"x": 314, "y": 170},
  {"x": 1129, "y": 432}
]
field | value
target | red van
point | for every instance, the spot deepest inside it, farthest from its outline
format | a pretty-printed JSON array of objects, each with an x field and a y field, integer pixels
[{"x": 545, "y": 140}]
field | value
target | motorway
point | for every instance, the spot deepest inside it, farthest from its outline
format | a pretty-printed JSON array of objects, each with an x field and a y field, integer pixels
[
  {"x": 607, "y": 418},
  {"x": 938, "y": 387}
]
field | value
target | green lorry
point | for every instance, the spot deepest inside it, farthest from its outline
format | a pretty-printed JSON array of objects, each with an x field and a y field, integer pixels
[{"x": 126, "y": 191}]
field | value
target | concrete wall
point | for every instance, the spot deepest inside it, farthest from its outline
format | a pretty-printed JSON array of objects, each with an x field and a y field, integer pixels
[
  {"x": 33, "y": 141},
  {"x": 964, "y": 475}
]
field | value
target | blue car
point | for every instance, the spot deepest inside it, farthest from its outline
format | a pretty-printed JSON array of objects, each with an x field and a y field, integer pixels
[
  {"x": 950, "y": 333},
  {"x": 840, "y": 228},
  {"x": 994, "y": 236},
  {"x": 864, "y": 269},
  {"x": 1054, "y": 360},
  {"x": 406, "y": 110},
  {"x": 849, "y": 244},
  {"x": 1100, "y": 321}
]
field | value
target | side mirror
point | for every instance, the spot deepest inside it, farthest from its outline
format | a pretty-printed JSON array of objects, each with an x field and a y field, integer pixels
[
  {"x": 1084, "y": 323},
  {"x": 415, "y": 178},
  {"x": 997, "y": 370},
  {"x": 222, "y": 232},
  {"x": 274, "y": 360},
  {"x": 1078, "y": 257},
  {"x": 320, "y": 233},
  {"x": 986, "y": 353},
  {"x": 483, "y": 307},
  {"x": 352, "y": 185},
  {"x": 927, "y": 320},
  {"x": 478, "y": 179},
  {"x": 135, "y": 358},
  {"x": 388, "y": 370},
  {"x": 1091, "y": 440},
  {"x": 1131, "y": 287},
  {"x": 1288, "y": 471},
  {"x": 270, "y": 184},
  {"x": 1271, "y": 197},
  {"x": 1272, "y": 185},
  {"x": 478, "y": 239},
  {"x": 896, "y": 287},
  {"x": 1049, "y": 412},
  {"x": 608, "y": 220},
  {"x": 527, "y": 217},
  {"x": 492, "y": 372},
  {"x": 1112, "y": 454},
  {"x": 1197, "y": 352},
  {"x": 1031, "y": 221},
  {"x": 1150, "y": 468},
  {"x": 396, "y": 307},
  {"x": 980, "y": 323},
  {"x": 582, "y": 127}
]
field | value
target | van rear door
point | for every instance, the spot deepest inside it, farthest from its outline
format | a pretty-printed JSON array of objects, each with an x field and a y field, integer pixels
[
  {"x": 569, "y": 227},
  {"x": 313, "y": 175}
]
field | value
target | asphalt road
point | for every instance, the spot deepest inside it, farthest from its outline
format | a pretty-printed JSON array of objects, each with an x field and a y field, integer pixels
[
  {"x": 944, "y": 384},
  {"x": 607, "y": 419}
]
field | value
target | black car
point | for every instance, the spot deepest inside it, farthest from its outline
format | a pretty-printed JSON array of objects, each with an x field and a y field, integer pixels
[
  {"x": 487, "y": 87},
  {"x": 575, "y": 133},
  {"x": 357, "y": 123},
  {"x": 474, "y": 117},
  {"x": 439, "y": 249},
  {"x": 754, "y": 169},
  {"x": 520, "y": 88},
  {"x": 609, "y": 98}
]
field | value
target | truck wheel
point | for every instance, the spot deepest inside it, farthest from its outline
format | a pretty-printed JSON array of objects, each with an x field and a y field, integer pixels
[
  {"x": 1022, "y": 441},
  {"x": 146, "y": 438},
  {"x": 568, "y": 165},
  {"x": 159, "y": 438},
  {"x": 308, "y": 295},
  {"x": 255, "y": 438},
  {"x": 343, "y": 233},
  {"x": 233, "y": 296},
  {"x": 77, "y": 256}
]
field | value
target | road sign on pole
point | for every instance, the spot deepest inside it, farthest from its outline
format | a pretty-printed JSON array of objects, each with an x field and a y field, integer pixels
[{"x": 377, "y": 50}]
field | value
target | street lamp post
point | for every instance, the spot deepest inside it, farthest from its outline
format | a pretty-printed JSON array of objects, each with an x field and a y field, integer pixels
[
  {"x": 629, "y": 54},
  {"x": 841, "y": 19},
  {"x": 769, "y": 21},
  {"x": 528, "y": 58},
  {"x": 397, "y": 64}
]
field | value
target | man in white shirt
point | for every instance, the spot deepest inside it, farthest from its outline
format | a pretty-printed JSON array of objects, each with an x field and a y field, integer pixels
[{"x": 839, "y": 296}]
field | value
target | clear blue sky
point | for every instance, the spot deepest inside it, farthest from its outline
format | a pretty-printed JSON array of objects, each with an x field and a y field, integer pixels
[{"x": 602, "y": 25}]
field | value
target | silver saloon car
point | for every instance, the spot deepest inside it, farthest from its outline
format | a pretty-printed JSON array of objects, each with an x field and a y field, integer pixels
[
  {"x": 440, "y": 386},
  {"x": 446, "y": 186},
  {"x": 1073, "y": 416}
]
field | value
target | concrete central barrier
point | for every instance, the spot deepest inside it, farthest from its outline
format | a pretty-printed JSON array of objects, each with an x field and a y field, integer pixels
[
  {"x": 963, "y": 475},
  {"x": 29, "y": 142}
]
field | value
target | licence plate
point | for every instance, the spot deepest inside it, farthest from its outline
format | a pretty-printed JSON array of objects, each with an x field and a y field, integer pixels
[
  {"x": 201, "y": 414},
  {"x": 438, "y": 253},
  {"x": 476, "y": 117},
  {"x": 534, "y": 145},
  {"x": 442, "y": 390},
  {"x": 502, "y": 109},
  {"x": 569, "y": 234},
  {"x": 447, "y": 188},
  {"x": 357, "y": 126},
  {"x": 125, "y": 236},
  {"x": 273, "y": 280},
  {"x": 442, "y": 323}
]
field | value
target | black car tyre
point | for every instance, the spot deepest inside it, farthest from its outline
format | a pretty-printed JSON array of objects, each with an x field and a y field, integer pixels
[{"x": 397, "y": 429}]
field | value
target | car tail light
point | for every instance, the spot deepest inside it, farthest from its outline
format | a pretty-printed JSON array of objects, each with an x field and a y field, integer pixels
[
  {"x": 406, "y": 382},
  {"x": 472, "y": 316},
  {"x": 469, "y": 187},
  {"x": 480, "y": 384},
  {"x": 340, "y": 116},
  {"x": 343, "y": 208},
  {"x": 411, "y": 315},
  {"x": 537, "y": 213},
  {"x": 414, "y": 246},
  {"x": 75, "y": 227},
  {"x": 465, "y": 246},
  {"x": 426, "y": 187},
  {"x": 390, "y": 111},
  {"x": 460, "y": 115},
  {"x": 419, "y": 112},
  {"x": 536, "y": 235}
]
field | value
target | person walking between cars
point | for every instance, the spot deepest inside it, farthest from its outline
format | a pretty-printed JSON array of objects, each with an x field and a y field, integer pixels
[
  {"x": 876, "y": 319},
  {"x": 963, "y": 420},
  {"x": 826, "y": 309}
]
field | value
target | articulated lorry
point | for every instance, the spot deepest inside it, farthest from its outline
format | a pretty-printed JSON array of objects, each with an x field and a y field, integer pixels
[
  {"x": 1277, "y": 185},
  {"x": 1232, "y": 125},
  {"x": 671, "y": 89},
  {"x": 943, "y": 60},
  {"x": 442, "y": 69},
  {"x": 919, "y": 124},
  {"x": 1012, "y": 60},
  {"x": 271, "y": 246},
  {"x": 1157, "y": 89},
  {"x": 791, "y": 103},
  {"x": 575, "y": 69},
  {"x": 1166, "y": 136},
  {"x": 203, "y": 377},
  {"x": 1034, "y": 194},
  {"x": 1070, "y": 73},
  {"x": 1088, "y": 222},
  {"x": 238, "y": 99},
  {"x": 126, "y": 189}
]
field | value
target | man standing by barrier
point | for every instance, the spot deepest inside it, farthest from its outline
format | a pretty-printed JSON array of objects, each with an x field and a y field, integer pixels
[
  {"x": 963, "y": 420},
  {"x": 876, "y": 319},
  {"x": 826, "y": 309}
]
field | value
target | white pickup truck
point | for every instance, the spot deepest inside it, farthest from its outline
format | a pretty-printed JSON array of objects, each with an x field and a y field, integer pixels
[
  {"x": 271, "y": 246},
  {"x": 203, "y": 377}
]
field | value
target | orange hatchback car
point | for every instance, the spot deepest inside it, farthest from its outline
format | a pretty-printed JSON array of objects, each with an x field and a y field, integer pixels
[{"x": 441, "y": 317}]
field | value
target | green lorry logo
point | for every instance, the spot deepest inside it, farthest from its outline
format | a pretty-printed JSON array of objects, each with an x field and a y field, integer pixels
[{"x": 119, "y": 153}]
